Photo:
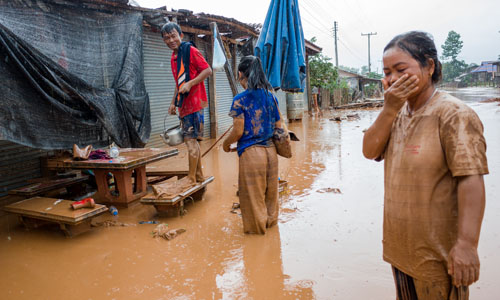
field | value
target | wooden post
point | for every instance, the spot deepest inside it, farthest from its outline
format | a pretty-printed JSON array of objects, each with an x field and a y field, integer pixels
[
  {"x": 308, "y": 85},
  {"x": 212, "y": 95},
  {"x": 233, "y": 58}
]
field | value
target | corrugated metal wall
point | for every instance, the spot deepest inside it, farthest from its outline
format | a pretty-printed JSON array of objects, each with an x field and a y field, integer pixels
[
  {"x": 206, "y": 112},
  {"x": 18, "y": 164},
  {"x": 160, "y": 85},
  {"x": 224, "y": 101}
]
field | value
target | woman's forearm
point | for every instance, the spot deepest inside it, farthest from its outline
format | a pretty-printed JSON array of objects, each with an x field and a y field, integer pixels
[
  {"x": 471, "y": 203},
  {"x": 376, "y": 137}
]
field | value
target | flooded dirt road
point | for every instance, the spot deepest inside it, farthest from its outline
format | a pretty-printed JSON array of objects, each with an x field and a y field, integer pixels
[{"x": 327, "y": 245}]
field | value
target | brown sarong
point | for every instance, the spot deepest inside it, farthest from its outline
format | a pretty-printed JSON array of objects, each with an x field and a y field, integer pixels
[
  {"x": 258, "y": 188},
  {"x": 409, "y": 288}
]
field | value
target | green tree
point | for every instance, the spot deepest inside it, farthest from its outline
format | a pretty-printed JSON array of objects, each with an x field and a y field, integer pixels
[
  {"x": 349, "y": 69},
  {"x": 452, "y": 67},
  {"x": 452, "y": 46},
  {"x": 374, "y": 75},
  {"x": 323, "y": 73}
]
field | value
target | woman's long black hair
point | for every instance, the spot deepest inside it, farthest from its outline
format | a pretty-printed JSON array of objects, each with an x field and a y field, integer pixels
[
  {"x": 421, "y": 47},
  {"x": 251, "y": 67}
]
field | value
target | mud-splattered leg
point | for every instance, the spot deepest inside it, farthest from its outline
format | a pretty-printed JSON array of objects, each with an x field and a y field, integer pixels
[{"x": 194, "y": 158}]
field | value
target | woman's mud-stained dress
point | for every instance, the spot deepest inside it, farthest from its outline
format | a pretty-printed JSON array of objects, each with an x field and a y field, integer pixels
[{"x": 258, "y": 161}]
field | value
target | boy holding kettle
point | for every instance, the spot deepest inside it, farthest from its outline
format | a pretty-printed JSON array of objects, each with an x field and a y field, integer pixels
[{"x": 189, "y": 69}]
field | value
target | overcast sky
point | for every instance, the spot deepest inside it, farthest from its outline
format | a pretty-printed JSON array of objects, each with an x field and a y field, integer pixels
[{"x": 477, "y": 21}]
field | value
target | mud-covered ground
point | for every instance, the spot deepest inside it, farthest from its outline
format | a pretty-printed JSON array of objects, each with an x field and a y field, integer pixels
[{"x": 327, "y": 245}]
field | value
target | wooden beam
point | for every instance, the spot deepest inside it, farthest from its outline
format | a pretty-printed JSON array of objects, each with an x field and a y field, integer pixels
[
  {"x": 206, "y": 32},
  {"x": 308, "y": 85},
  {"x": 212, "y": 95},
  {"x": 232, "y": 24},
  {"x": 233, "y": 58}
]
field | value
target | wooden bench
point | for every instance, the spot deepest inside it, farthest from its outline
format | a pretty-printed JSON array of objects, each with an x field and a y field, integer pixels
[
  {"x": 39, "y": 211},
  {"x": 195, "y": 192},
  {"x": 47, "y": 184}
]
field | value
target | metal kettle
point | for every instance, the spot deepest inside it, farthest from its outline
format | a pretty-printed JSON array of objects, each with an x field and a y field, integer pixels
[{"x": 173, "y": 136}]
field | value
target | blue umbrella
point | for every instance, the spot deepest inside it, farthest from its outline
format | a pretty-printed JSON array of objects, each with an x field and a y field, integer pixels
[{"x": 281, "y": 46}]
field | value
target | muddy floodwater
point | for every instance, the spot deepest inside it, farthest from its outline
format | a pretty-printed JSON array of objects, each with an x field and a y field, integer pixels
[{"x": 327, "y": 244}]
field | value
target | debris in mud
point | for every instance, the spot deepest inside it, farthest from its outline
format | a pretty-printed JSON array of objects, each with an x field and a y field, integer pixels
[
  {"x": 148, "y": 222},
  {"x": 234, "y": 208},
  {"x": 491, "y": 100},
  {"x": 111, "y": 223},
  {"x": 336, "y": 119},
  {"x": 329, "y": 190},
  {"x": 282, "y": 187},
  {"x": 287, "y": 210},
  {"x": 353, "y": 117},
  {"x": 163, "y": 231}
]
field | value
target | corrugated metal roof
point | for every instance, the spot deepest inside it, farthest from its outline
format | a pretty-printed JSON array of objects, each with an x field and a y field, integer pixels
[{"x": 486, "y": 67}]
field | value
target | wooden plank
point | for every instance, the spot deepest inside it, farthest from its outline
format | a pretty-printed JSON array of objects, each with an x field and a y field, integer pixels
[
  {"x": 212, "y": 97},
  {"x": 166, "y": 173},
  {"x": 55, "y": 210},
  {"x": 47, "y": 185}
]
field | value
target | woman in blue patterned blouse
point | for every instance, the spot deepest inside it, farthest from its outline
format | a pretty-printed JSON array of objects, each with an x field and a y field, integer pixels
[{"x": 255, "y": 115}]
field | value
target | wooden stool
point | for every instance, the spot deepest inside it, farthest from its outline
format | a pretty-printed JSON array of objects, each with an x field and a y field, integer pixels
[
  {"x": 177, "y": 202},
  {"x": 39, "y": 211}
]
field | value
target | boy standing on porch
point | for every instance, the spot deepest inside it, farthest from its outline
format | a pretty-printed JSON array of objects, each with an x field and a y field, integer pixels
[{"x": 190, "y": 70}]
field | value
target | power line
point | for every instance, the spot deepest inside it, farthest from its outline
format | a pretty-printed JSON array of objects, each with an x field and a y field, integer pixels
[
  {"x": 323, "y": 12},
  {"x": 315, "y": 18},
  {"x": 348, "y": 49},
  {"x": 323, "y": 31}
]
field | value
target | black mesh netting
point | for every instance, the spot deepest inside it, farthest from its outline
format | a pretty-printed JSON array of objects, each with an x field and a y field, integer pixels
[{"x": 71, "y": 76}]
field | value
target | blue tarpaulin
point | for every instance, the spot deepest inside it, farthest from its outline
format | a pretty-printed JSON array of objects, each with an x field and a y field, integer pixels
[{"x": 281, "y": 46}]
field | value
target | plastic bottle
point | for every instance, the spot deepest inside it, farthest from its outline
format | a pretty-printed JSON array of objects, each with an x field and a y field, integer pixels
[
  {"x": 113, "y": 210},
  {"x": 114, "y": 152}
]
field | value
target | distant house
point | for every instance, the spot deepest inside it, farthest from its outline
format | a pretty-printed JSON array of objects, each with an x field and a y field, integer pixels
[
  {"x": 488, "y": 71},
  {"x": 357, "y": 83}
]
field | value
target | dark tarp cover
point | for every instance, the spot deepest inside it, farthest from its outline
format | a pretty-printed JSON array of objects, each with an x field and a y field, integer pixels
[
  {"x": 71, "y": 76},
  {"x": 281, "y": 46}
]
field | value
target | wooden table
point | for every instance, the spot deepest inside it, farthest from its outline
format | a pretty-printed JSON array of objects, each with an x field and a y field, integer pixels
[
  {"x": 38, "y": 211},
  {"x": 131, "y": 164}
]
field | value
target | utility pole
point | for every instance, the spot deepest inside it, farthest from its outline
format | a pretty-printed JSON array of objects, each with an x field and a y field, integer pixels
[
  {"x": 335, "y": 29},
  {"x": 368, "y": 34}
]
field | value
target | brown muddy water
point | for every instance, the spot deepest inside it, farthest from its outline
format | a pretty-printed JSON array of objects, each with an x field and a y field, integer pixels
[{"x": 327, "y": 245}]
